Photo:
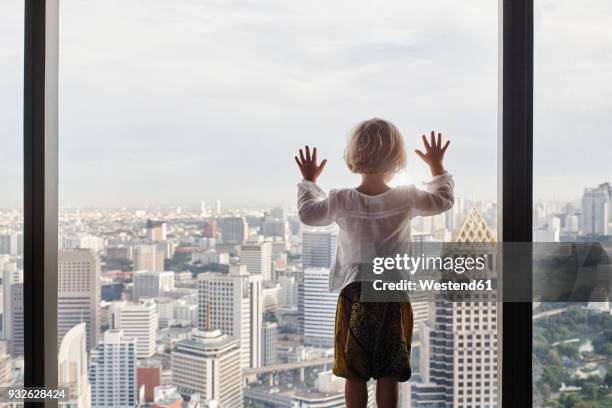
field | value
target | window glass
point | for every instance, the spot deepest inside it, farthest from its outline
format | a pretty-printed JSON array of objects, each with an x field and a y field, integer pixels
[
  {"x": 572, "y": 99},
  {"x": 11, "y": 193},
  {"x": 178, "y": 127}
]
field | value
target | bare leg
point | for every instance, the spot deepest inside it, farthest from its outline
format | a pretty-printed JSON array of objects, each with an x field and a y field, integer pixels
[
  {"x": 387, "y": 393},
  {"x": 356, "y": 394}
]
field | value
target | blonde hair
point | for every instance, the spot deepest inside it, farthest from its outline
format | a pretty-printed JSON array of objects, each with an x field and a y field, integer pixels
[{"x": 375, "y": 146}]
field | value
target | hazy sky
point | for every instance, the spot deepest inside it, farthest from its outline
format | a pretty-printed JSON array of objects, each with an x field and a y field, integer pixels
[{"x": 175, "y": 102}]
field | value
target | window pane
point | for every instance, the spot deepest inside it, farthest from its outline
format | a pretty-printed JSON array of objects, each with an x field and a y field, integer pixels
[
  {"x": 572, "y": 99},
  {"x": 178, "y": 128},
  {"x": 11, "y": 193}
]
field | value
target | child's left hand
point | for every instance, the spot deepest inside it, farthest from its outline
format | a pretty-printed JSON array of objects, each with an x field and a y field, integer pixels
[{"x": 308, "y": 165}]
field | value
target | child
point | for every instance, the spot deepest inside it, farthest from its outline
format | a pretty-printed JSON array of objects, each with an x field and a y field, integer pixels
[{"x": 372, "y": 340}]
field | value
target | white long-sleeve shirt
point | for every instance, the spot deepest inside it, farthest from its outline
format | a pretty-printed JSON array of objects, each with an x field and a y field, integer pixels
[{"x": 367, "y": 222}]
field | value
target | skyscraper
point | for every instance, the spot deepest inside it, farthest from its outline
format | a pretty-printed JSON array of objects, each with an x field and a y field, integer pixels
[
  {"x": 209, "y": 364},
  {"x": 234, "y": 230},
  {"x": 233, "y": 304},
  {"x": 269, "y": 343},
  {"x": 72, "y": 362},
  {"x": 78, "y": 293},
  {"x": 139, "y": 321},
  {"x": 152, "y": 283},
  {"x": 112, "y": 371},
  {"x": 596, "y": 212},
  {"x": 17, "y": 333},
  {"x": 319, "y": 308},
  {"x": 148, "y": 258},
  {"x": 258, "y": 259},
  {"x": 10, "y": 276},
  {"x": 318, "y": 248},
  {"x": 156, "y": 230},
  {"x": 462, "y": 347}
]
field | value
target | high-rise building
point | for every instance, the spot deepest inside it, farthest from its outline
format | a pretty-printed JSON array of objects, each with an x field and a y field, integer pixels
[
  {"x": 152, "y": 283},
  {"x": 8, "y": 243},
  {"x": 10, "y": 276},
  {"x": 462, "y": 348},
  {"x": 319, "y": 308},
  {"x": 234, "y": 230},
  {"x": 156, "y": 230},
  {"x": 72, "y": 363},
  {"x": 17, "y": 328},
  {"x": 209, "y": 364},
  {"x": 78, "y": 293},
  {"x": 148, "y": 257},
  {"x": 258, "y": 259},
  {"x": 269, "y": 343},
  {"x": 139, "y": 321},
  {"x": 112, "y": 371},
  {"x": 209, "y": 229},
  {"x": 318, "y": 248},
  {"x": 596, "y": 212},
  {"x": 233, "y": 304},
  {"x": 275, "y": 227},
  {"x": 288, "y": 292}
]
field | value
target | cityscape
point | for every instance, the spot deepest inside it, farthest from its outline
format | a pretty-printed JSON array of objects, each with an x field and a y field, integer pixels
[{"x": 213, "y": 307}]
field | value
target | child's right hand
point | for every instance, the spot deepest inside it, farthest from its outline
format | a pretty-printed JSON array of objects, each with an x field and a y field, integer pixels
[
  {"x": 434, "y": 153},
  {"x": 308, "y": 165}
]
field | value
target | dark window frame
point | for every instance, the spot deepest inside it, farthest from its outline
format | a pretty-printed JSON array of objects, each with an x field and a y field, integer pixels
[{"x": 41, "y": 188}]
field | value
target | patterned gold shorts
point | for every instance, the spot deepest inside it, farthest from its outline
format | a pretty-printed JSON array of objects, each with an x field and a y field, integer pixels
[{"x": 372, "y": 340}]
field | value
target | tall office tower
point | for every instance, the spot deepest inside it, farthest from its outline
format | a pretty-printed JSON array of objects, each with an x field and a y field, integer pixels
[
  {"x": 17, "y": 334},
  {"x": 234, "y": 230},
  {"x": 209, "y": 364},
  {"x": 209, "y": 229},
  {"x": 156, "y": 230},
  {"x": 269, "y": 343},
  {"x": 140, "y": 321},
  {"x": 72, "y": 362},
  {"x": 271, "y": 296},
  {"x": 10, "y": 276},
  {"x": 258, "y": 259},
  {"x": 233, "y": 304},
  {"x": 8, "y": 243},
  {"x": 289, "y": 291},
  {"x": 319, "y": 308},
  {"x": 278, "y": 213},
  {"x": 274, "y": 227},
  {"x": 148, "y": 258},
  {"x": 218, "y": 207},
  {"x": 318, "y": 248},
  {"x": 596, "y": 211},
  {"x": 6, "y": 365},
  {"x": 462, "y": 343},
  {"x": 572, "y": 224},
  {"x": 78, "y": 298},
  {"x": 112, "y": 371},
  {"x": 152, "y": 283}
]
